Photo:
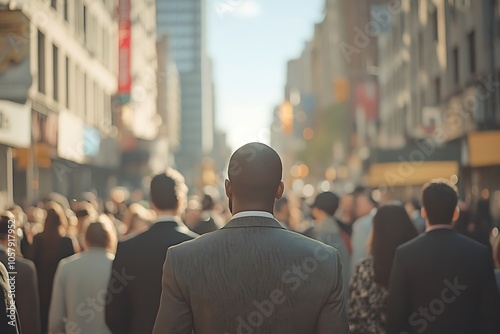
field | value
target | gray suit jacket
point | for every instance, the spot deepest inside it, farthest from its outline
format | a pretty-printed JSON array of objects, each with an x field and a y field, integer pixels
[{"x": 252, "y": 276}]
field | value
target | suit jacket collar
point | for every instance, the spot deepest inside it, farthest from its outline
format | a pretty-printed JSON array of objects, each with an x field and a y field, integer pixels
[{"x": 253, "y": 222}]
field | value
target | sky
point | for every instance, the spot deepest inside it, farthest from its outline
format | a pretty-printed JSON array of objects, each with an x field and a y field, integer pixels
[{"x": 250, "y": 42}]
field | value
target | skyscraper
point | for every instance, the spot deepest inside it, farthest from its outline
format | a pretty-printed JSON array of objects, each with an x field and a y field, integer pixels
[{"x": 185, "y": 24}]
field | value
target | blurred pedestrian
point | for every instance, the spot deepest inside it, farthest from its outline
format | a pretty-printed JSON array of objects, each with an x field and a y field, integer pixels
[
  {"x": 8, "y": 315},
  {"x": 365, "y": 208},
  {"x": 282, "y": 212},
  {"x": 80, "y": 283},
  {"x": 137, "y": 219},
  {"x": 413, "y": 209},
  {"x": 135, "y": 297},
  {"x": 327, "y": 230},
  {"x": 208, "y": 220},
  {"x": 248, "y": 276},
  {"x": 49, "y": 247},
  {"x": 392, "y": 227},
  {"x": 496, "y": 258},
  {"x": 345, "y": 213},
  {"x": 27, "y": 299},
  {"x": 442, "y": 282}
]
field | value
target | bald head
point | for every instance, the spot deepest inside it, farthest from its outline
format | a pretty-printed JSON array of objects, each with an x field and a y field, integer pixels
[{"x": 255, "y": 172}]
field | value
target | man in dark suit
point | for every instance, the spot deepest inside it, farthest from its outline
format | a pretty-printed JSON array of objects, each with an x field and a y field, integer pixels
[
  {"x": 26, "y": 282},
  {"x": 135, "y": 286},
  {"x": 442, "y": 282},
  {"x": 252, "y": 275}
]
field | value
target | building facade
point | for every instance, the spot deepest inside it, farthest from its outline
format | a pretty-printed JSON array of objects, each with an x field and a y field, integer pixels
[
  {"x": 64, "y": 73},
  {"x": 185, "y": 24}
]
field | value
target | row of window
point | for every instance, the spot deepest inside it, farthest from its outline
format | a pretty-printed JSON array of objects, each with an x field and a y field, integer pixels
[
  {"x": 88, "y": 28},
  {"x": 80, "y": 94}
]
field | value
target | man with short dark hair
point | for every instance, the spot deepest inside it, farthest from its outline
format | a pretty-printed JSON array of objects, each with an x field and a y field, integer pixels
[
  {"x": 442, "y": 282},
  {"x": 365, "y": 208},
  {"x": 252, "y": 275},
  {"x": 327, "y": 229},
  {"x": 135, "y": 296}
]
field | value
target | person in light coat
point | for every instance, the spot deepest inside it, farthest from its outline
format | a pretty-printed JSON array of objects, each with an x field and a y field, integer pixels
[{"x": 80, "y": 284}]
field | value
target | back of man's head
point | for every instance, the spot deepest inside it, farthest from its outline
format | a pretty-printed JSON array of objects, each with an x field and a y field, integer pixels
[
  {"x": 327, "y": 202},
  {"x": 439, "y": 200},
  {"x": 168, "y": 191},
  {"x": 255, "y": 172}
]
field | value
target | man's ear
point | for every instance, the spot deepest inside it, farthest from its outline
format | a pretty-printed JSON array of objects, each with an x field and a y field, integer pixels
[
  {"x": 227, "y": 186},
  {"x": 281, "y": 189},
  {"x": 456, "y": 214},
  {"x": 423, "y": 213}
]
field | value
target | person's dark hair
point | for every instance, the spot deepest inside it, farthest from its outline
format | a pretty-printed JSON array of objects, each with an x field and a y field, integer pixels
[
  {"x": 102, "y": 234},
  {"x": 55, "y": 217},
  {"x": 440, "y": 201},
  {"x": 280, "y": 203},
  {"x": 328, "y": 202},
  {"x": 168, "y": 190},
  {"x": 255, "y": 172},
  {"x": 392, "y": 227},
  {"x": 207, "y": 203}
]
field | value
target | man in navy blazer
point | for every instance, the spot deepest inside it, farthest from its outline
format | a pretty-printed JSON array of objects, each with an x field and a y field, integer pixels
[
  {"x": 442, "y": 282},
  {"x": 135, "y": 285}
]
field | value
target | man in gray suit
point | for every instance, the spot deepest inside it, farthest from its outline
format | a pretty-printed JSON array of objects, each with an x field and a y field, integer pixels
[{"x": 252, "y": 275}]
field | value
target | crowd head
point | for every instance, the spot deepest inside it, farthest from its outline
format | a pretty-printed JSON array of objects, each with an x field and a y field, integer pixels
[
  {"x": 440, "y": 201},
  {"x": 254, "y": 182},
  {"x": 168, "y": 192}
]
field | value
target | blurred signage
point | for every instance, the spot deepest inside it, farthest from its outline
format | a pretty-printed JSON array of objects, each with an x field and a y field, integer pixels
[
  {"x": 367, "y": 99},
  {"x": 286, "y": 117},
  {"x": 459, "y": 114},
  {"x": 341, "y": 90},
  {"x": 15, "y": 124},
  {"x": 92, "y": 141},
  {"x": 70, "y": 144},
  {"x": 124, "y": 52},
  {"x": 15, "y": 78}
]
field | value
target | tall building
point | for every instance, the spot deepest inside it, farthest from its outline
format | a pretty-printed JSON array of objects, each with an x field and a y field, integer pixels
[
  {"x": 185, "y": 24},
  {"x": 56, "y": 84},
  {"x": 439, "y": 64}
]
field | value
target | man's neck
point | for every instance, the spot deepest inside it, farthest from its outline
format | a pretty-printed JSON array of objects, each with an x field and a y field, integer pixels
[{"x": 166, "y": 213}]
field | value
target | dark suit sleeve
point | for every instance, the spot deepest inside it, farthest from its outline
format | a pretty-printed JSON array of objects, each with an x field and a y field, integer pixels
[
  {"x": 174, "y": 315},
  {"x": 490, "y": 300},
  {"x": 332, "y": 317},
  {"x": 398, "y": 300},
  {"x": 118, "y": 312},
  {"x": 29, "y": 314}
]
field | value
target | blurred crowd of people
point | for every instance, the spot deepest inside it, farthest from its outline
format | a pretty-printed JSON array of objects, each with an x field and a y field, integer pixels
[{"x": 95, "y": 266}]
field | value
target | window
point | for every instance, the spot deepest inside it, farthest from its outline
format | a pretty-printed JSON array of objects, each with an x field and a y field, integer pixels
[
  {"x": 41, "y": 62},
  {"x": 437, "y": 89},
  {"x": 66, "y": 13},
  {"x": 55, "y": 72},
  {"x": 421, "y": 49},
  {"x": 456, "y": 67},
  {"x": 67, "y": 83},
  {"x": 84, "y": 24},
  {"x": 471, "y": 39},
  {"x": 435, "y": 25}
]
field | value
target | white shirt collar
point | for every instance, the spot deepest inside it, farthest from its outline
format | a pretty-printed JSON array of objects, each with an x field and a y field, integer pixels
[
  {"x": 253, "y": 214},
  {"x": 167, "y": 219}
]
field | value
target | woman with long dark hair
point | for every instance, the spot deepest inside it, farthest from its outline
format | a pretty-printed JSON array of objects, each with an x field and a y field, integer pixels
[
  {"x": 49, "y": 247},
  {"x": 392, "y": 227}
]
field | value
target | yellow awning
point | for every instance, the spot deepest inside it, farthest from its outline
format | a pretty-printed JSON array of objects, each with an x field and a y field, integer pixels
[
  {"x": 396, "y": 174},
  {"x": 484, "y": 148}
]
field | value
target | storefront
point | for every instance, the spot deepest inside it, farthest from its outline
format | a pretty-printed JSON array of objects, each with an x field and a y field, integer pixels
[{"x": 15, "y": 127}]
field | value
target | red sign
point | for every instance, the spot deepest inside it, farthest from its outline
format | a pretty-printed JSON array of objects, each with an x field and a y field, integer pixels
[
  {"x": 124, "y": 38},
  {"x": 367, "y": 98}
]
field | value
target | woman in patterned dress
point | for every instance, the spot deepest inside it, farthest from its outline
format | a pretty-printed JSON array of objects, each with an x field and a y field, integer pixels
[{"x": 369, "y": 284}]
